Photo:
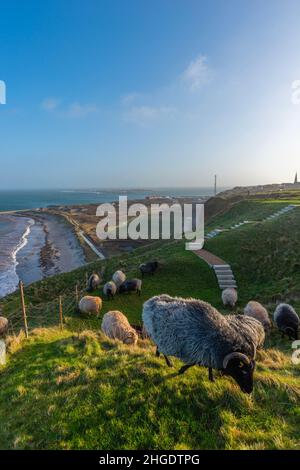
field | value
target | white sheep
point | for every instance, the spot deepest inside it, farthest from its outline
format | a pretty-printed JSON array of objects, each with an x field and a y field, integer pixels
[
  {"x": 110, "y": 289},
  {"x": 116, "y": 326},
  {"x": 90, "y": 305},
  {"x": 229, "y": 297},
  {"x": 118, "y": 278}
]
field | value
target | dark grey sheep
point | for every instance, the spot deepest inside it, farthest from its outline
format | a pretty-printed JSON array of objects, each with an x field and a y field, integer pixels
[
  {"x": 195, "y": 332},
  {"x": 148, "y": 268},
  {"x": 287, "y": 320},
  {"x": 131, "y": 285},
  {"x": 94, "y": 282}
]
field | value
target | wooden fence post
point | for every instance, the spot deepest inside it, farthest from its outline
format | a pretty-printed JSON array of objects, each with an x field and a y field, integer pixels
[
  {"x": 60, "y": 313},
  {"x": 23, "y": 308},
  {"x": 76, "y": 295}
]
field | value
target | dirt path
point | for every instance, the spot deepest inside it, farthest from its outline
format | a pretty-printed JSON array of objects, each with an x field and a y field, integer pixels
[{"x": 209, "y": 257}]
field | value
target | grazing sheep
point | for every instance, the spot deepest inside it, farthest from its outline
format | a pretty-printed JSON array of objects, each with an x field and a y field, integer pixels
[
  {"x": 195, "y": 332},
  {"x": 287, "y": 320},
  {"x": 93, "y": 282},
  {"x": 229, "y": 297},
  {"x": 256, "y": 310},
  {"x": 110, "y": 289},
  {"x": 131, "y": 285},
  {"x": 148, "y": 268},
  {"x": 90, "y": 305},
  {"x": 3, "y": 333},
  {"x": 116, "y": 326},
  {"x": 3, "y": 327},
  {"x": 118, "y": 278}
]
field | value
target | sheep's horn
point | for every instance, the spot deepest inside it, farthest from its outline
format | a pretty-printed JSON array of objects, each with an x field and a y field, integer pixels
[{"x": 235, "y": 355}]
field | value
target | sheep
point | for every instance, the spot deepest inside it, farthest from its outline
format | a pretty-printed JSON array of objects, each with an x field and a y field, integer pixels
[
  {"x": 3, "y": 327},
  {"x": 131, "y": 285},
  {"x": 148, "y": 268},
  {"x": 118, "y": 278},
  {"x": 195, "y": 332},
  {"x": 90, "y": 305},
  {"x": 116, "y": 326},
  {"x": 287, "y": 320},
  {"x": 93, "y": 282},
  {"x": 256, "y": 310},
  {"x": 229, "y": 297},
  {"x": 110, "y": 289},
  {"x": 3, "y": 333}
]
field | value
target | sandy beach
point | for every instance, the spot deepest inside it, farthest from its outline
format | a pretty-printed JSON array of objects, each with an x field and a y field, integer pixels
[{"x": 52, "y": 247}]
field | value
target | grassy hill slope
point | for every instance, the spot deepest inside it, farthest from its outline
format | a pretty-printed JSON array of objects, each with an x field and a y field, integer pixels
[{"x": 75, "y": 389}]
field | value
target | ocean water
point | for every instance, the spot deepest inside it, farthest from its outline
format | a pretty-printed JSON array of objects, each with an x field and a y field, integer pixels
[
  {"x": 22, "y": 238},
  {"x": 11, "y": 200},
  {"x": 14, "y": 232}
]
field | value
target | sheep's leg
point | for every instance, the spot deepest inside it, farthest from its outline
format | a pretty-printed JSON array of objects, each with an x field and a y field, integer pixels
[
  {"x": 210, "y": 374},
  {"x": 169, "y": 363},
  {"x": 184, "y": 368},
  {"x": 157, "y": 353}
]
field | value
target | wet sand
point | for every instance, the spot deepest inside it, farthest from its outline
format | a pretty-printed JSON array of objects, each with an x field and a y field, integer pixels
[{"x": 52, "y": 248}]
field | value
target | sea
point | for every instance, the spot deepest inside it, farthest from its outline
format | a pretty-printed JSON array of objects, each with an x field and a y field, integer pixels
[{"x": 22, "y": 238}]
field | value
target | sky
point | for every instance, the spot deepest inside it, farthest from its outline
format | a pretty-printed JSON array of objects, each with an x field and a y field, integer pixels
[{"x": 133, "y": 93}]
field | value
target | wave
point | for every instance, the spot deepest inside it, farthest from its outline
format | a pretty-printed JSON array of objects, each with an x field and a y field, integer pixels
[{"x": 9, "y": 279}]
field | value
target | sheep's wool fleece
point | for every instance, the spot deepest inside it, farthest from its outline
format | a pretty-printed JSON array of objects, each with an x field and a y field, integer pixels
[
  {"x": 195, "y": 332},
  {"x": 90, "y": 304},
  {"x": 118, "y": 278},
  {"x": 256, "y": 310},
  {"x": 116, "y": 326}
]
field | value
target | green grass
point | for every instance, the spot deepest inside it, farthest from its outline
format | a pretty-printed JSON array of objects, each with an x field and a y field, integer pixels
[
  {"x": 251, "y": 210},
  {"x": 62, "y": 390},
  {"x": 265, "y": 259},
  {"x": 75, "y": 389}
]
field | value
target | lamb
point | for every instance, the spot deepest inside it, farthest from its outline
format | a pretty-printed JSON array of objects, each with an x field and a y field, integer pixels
[
  {"x": 148, "y": 268},
  {"x": 3, "y": 327},
  {"x": 90, "y": 305},
  {"x": 116, "y": 326},
  {"x": 229, "y": 297},
  {"x": 93, "y": 282},
  {"x": 256, "y": 310},
  {"x": 118, "y": 278},
  {"x": 195, "y": 332},
  {"x": 110, "y": 289},
  {"x": 287, "y": 320},
  {"x": 131, "y": 285}
]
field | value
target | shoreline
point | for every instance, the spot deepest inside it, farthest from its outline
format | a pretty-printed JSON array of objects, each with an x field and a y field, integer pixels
[{"x": 51, "y": 247}]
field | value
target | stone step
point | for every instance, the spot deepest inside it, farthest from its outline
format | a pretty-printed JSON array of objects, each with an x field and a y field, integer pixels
[
  {"x": 226, "y": 278},
  {"x": 232, "y": 286}
]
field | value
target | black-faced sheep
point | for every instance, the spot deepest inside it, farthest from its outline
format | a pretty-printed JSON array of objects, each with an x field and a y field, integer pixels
[
  {"x": 116, "y": 326},
  {"x": 229, "y": 297},
  {"x": 148, "y": 268},
  {"x": 110, "y": 289},
  {"x": 287, "y": 320},
  {"x": 196, "y": 333},
  {"x": 256, "y": 310},
  {"x": 93, "y": 282},
  {"x": 131, "y": 285},
  {"x": 90, "y": 305},
  {"x": 118, "y": 278}
]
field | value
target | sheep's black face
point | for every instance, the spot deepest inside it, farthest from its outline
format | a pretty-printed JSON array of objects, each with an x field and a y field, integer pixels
[
  {"x": 242, "y": 373},
  {"x": 292, "y": 332}
]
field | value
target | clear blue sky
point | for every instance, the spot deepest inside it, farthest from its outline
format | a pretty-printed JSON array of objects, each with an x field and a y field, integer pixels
[{"x": 148, "y": 93}]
